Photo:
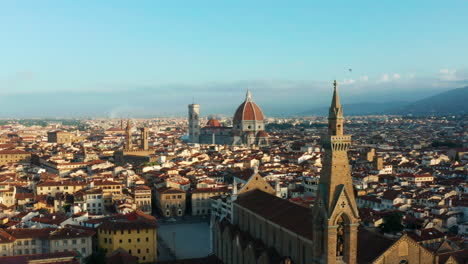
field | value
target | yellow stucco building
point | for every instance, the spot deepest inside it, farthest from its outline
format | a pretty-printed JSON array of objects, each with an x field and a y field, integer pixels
[{"x": 136, "y": 233}]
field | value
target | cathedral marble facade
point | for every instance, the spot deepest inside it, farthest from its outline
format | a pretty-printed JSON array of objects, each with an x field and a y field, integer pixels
[{"x": 248, "y": 126}]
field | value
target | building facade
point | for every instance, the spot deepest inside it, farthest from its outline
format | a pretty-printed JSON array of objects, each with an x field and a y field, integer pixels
[
  {"x": 14, "y": 156},
  {"x": 135, "y": 153},
  {"x": 171, "y": 201},
  {"x": 60, "y": 137},
  {"x": 142, "y": 197},
  {"x": 201, "y": 202},
  {"x": 135, "y": 233},
  {"x": 25, "y": 241}
]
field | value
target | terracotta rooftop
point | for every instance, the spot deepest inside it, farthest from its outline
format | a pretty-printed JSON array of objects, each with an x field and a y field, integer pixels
[
  {"x": 13, "y": 151},
  {"x": 248, "y": 110},
  {"x": 213, "y": 123},
  {"x": 289, "y": 215}
]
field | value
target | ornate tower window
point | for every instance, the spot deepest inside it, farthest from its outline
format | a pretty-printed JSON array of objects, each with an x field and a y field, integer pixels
[{"x": 340, "y": 237}]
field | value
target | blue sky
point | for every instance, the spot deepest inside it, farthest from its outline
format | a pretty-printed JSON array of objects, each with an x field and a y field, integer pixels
[{"x": 107, "y": 55}]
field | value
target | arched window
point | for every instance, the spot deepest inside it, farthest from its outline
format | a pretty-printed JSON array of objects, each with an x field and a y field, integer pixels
[{"x": 340, "y": 237}]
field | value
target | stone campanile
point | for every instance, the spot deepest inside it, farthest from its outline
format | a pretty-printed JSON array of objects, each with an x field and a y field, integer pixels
[
  {"x": 144, "y": 138},
  {"x": 335, "y": 212},
  {"x": 194, "y": 122},
  {"x": 128, "y": 136}
]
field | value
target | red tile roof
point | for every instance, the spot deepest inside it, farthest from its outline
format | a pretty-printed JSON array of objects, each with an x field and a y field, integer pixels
[
  {"x": 291, "y": 216},
  {"x": 213, "y": 123},
  {"x": 248, "y": 111},
  {"x": 13, "y": 151}
]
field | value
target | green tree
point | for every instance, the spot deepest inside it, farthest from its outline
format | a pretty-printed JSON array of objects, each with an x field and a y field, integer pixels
[
  {"x": 392, "y": 223},
  {"x": 98, "y": 257},
  {"x": 454, "y": 229},
  {"x": 43, "y": 211}
]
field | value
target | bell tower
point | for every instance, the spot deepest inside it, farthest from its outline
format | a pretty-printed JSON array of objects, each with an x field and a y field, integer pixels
[
  {"x": 335, "y": 212},
  {"x": 128, "y": 136},
  {"x": 144, "y": 138},
  {"x": 194, "y": 123}
]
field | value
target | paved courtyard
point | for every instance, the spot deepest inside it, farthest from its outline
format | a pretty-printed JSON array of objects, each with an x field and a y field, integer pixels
[{"x": 186, "y": 240}]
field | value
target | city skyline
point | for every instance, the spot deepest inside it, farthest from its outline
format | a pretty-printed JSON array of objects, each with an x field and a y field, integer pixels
[{"x": 151, "y": 59}]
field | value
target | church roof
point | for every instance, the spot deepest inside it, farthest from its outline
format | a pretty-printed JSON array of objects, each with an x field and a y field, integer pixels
[
  {"x": 291, "y": 216},
  {"x": 248, "y": 110},
  {"x": 367, "y": 253}
]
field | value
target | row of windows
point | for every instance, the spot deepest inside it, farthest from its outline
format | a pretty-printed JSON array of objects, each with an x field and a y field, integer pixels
[
  {"x": 13, "y": 156},
  {"x": 26, "y": 243},
  {"x": 179, "y": 213},
  {"x": 203, "y": 211},
  {"x": 122, "y": 231},
  {"x": 58, "y": 188},
  {"x": 26, "y": 251},
  {"x": 111, "y": 187},
  {"x": 167, "y": 197},
  {"x": 95, "y": 197},
  {"x": 109, "y": 240},
  {"x": 34, "y": 251},
  {"x": 73, "y": 242},
  {"x": 179, "y": 205}
]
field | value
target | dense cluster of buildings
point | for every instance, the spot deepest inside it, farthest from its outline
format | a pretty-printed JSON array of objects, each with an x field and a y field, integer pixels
[{"x": 305, "y": 192}]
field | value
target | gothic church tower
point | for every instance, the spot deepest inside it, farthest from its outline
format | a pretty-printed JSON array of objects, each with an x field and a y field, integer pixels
[{"x": 335, "y": 212}]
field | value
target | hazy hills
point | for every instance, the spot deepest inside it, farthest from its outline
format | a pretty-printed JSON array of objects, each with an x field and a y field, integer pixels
[{"x": 450, "y": 102}]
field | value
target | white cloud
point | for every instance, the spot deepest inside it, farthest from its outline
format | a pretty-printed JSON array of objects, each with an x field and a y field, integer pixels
[
  {"x": 411, "y": 75},
  {"x": 396, "y": 76},
  {"x": 348, "y": 81},
  {"x": 448, "y": 74},
  {"x": 385, "y": 78},
  {"x": 364, "y": 78}
]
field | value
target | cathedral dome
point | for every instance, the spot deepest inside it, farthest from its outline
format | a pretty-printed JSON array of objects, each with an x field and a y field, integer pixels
[
  {"x": 213, "y": 122},
  {"x": 248, "y": 110}
]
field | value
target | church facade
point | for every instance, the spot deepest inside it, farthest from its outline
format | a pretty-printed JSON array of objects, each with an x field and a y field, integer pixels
[
  {"x": 248, "y": 126},
  {"x": 135, "y": 153},
  {"x": 266, "y": 229}
]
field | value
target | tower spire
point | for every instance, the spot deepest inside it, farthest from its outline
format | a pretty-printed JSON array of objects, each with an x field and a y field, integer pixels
[
  {"x": 336, "y": 99},
  {"x": 335, "y": 114}
]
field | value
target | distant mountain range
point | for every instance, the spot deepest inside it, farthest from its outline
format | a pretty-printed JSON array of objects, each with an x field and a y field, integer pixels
[{"x": 450, "y": 102}]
